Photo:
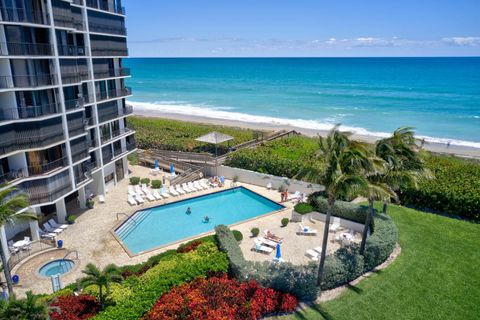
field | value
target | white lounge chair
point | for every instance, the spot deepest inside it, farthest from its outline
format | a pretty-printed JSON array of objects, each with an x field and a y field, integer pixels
[
  {"x": 180, "y": 190},
  {"x": 318, "y": 250},
  {"x": 312, "y": 254},
  {"x": 187, "y": 188},
  {"x": 49, "y": 228},
  {"x": 173, "y": 192},
  {"x": 139, "y": 199},
  {"x": 101, "y": 198},
  {"x": 296, "y": 196},
  {"x": 157, "y": 195},
  {"x": 46, "y": 235},
  {"x": 259, "y": 247},
  {"x": 335, "y": 225},
  {"x": 138, "y": 190},
  {"x": 197, "y": 185},
  {"x": 267, "y": 242},
  {"x": 145, "y": 189},
  {"x": 306, "y": 230},
  {"x": 54, "y": 224},
  {"x": 28, "y": 243},
  {"x": 132, "y": 201},
  {"x": 269, "y": 186},
  {"x": 164, "y": 193},
  {"x": 131, "y": 191},
  {"x": 149, "y": 195},
  {"x": 193, "y": 187},
  {"x": 204, "y": 183}
]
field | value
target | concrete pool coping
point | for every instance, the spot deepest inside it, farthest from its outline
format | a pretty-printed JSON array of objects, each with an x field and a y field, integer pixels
[{"x": 200, "y": 235}]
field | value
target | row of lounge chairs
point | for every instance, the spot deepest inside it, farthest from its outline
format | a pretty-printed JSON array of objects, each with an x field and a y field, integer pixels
[
  {"x": 267, "y": 243},
  {"x": 137, "y": 194},
  {"x": 51, "y": 229}
]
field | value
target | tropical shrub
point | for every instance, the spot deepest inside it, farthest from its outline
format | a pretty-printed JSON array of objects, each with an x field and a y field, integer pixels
[
  {"x": 156, "y": 184},
  {"x": 189, "y": 246},
  {"x": 303, "y": 208},
  {"x": 237, "y": 235},
  {"x": 284, "y": 222},
  {"x": 299, "y": 281},
  {"x": 343, "y": 209},
  {"x": 145, "y": 181},
  {"x": 133, "y": 158},
  {"x": 454, "y": 189},
  {"x": 134, "y": 180},
  {"x": 220, "y": 298},
  {"x": 159, "y": 279},
  {"x": 74, "y": 307},
  {"x": 155, "y": 133},
  {"x": 255, "y": 232},
  {"x": 71, "y": 219}
]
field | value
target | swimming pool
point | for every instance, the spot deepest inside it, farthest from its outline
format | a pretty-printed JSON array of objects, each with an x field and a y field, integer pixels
[{"x": 161, "y": 225}]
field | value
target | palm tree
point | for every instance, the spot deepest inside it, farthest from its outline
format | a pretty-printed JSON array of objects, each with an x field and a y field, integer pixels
[
  {"x": 342, "y": 174},
  {"x": 10, "y": 203},
  {"x": 101, "y": 278},
  {"x": 29, "y": 308}
]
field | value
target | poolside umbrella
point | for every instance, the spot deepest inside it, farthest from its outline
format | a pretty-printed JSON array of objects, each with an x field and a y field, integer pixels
[
  {"x": 278, "y": 254},
  {"x": 215, "y": 138},
  {"x": 156, "y": 164},
  {"x": 172, "y": 169}
]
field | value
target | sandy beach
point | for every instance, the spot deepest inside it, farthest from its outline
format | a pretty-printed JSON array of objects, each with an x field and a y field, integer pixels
[{"x": 460, "y": 151}]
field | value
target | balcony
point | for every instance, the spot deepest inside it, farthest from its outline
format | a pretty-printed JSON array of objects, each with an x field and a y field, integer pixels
[
  {"x": 104, "y": 7},
  {"x": 76, "y": 126},
  {"x": 12, "y": 176},
  {"x": 111, "y": 94},
  {"x": 25, "y": 49},
  {"x": 78, "y": 2},
  {"x": 107, "y": 29},
  {"x": 72, "y": 51},
  {"x": 113, "y": 113},
  {"x": 27, "y": 81},
  {"x": 116, "y": 134},
  {"x": 28, "y": 112},
  {"x": 32, "y": 139},
  {"x": 44, "y": 168},
  {"x": 47, "y": 190},
  {"x": 112, "y": 73},
  {"x": 109, "y": 52},
  {"x": 77, "y": 77},
  {"x": 85, "y": 175},
  {"x": 72, "y": 104},
  {"x": 79, "y": 151},
  {"x": 23, "y": 16}
]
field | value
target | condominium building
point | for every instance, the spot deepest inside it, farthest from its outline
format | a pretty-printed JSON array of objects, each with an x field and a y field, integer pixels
[{"x": 63, "y": 116}]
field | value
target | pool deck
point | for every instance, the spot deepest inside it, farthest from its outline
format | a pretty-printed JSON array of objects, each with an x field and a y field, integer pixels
[{"x": 91, "y": 236}]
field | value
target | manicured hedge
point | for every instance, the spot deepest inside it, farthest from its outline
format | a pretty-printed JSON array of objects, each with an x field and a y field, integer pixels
[
  {"x": 455, "y": 188},
  {"x": 285, "y": 277},
  {"x": 342, "y": 209},
  {"x": 177, "y": 269},
  {"x": 303, "y": 208}
]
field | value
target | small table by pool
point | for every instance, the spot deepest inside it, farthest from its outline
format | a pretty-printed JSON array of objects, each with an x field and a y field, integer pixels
[{"x": 20, "y": 244}]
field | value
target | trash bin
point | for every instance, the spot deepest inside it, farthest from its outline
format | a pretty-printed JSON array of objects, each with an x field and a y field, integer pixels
[
  {"x": 15, "y": 279},
  {"x": 59, "y": 244}
]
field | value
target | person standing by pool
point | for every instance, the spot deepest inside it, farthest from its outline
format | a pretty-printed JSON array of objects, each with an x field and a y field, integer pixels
[{"x": 189, "y": 211}]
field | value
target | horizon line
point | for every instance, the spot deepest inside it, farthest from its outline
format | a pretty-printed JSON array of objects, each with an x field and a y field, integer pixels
[{"x": 299, "y": 57}]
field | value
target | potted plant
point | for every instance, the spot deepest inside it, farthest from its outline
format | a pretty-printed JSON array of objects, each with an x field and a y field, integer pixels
[
  {"x": 90, "y": 203},
  {"x": 255, "y": 232},
  {"x": 284, "y": 222},
  {"x": 301, "y": 210},
  {"x": 237, "y": 235},
  {"x": 71, "y": 219}
]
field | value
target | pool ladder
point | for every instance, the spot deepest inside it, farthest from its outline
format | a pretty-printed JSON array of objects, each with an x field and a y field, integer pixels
[
  {"x": 130, "y": 224},
  {"x": 69, "y": 252}
]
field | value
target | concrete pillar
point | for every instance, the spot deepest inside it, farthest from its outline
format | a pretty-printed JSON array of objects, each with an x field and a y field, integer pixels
[
  {"x": 82, "y": 197},
  {"x": 34, "y": 230},
  {"x": 61, "y": 211},
  {"x": 3, "y": 239}
]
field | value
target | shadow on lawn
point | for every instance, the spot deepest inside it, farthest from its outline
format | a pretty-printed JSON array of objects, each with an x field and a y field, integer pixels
[{"x": 315, "y": 309}]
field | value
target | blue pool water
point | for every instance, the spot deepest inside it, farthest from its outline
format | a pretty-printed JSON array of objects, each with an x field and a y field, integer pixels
[
  {"x": 169, "y": 223},
  {"x": 60, "y": 266}
]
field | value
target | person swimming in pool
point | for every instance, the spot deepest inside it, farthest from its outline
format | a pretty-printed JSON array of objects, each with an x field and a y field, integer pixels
[
  {"x": 206, "y": 219},
  {"x": 189, "y": 211}
]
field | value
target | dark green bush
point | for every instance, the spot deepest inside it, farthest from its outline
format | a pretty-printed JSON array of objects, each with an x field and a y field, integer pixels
[
  {"x": 284, "y": 222},
  {"x": 71, "y": 219},
  {"x": 145, "y": 181},
  {"x": 455, "y": 188},
  {"x": 237, "y": 235},
  {"x": 303, "y": 208},
  {"x": 346, "y": 210},
  {"x": 134, "y": 180},
  {"x": 381, "y": 242},
  {"x": 156, "y": 184},
  {"x": 255, "y": 232}
]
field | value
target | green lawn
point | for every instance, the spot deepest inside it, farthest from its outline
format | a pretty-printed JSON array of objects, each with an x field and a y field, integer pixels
[{"x": 437, "y": 275}]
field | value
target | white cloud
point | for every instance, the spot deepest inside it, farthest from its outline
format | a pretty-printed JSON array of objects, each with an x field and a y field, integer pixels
[{"x": 462, "y": 41}]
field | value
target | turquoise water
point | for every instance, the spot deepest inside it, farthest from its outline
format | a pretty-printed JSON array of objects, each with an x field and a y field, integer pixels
[
  {"x": 169, "y": 223},
  {"x": 438, "y": 96},
  {"x": 56, "y": 267}
]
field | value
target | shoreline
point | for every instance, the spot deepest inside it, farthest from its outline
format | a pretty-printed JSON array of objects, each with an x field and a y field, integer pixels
[{"x": 459, "y": 151}]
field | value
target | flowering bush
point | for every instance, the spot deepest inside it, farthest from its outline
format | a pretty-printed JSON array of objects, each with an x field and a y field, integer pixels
[
  {"x": 74, "y": 307},
  {"x": 220, "y": 298},
  {"x": 190, "y": 246}
]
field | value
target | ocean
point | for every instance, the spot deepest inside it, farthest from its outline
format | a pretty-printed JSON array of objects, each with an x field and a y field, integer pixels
[{"x": 440, "y": 97}]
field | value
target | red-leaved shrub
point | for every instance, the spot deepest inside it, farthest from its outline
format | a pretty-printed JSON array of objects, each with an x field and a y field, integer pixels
[
  {"x": 220, "y": 298},
  {"x": 189, "y": 246},
  {"x": 74, "y": 307}
]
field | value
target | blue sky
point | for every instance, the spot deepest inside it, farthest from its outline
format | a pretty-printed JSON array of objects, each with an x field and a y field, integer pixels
[{"x": 250, "y": 28}]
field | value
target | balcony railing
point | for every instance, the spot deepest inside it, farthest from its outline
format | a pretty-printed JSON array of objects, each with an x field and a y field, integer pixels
[
  {"x": 104, "y": 7},
  {"x": 111, "y": 94},
  {"x": 78, "y": 2},
  {"x": 22, "y": 15},
  {"x": 27, "y": 81},
  {"x": 74, "y": 103},
  {"x": 79, "y": 152},
  {"x": 12, "y": 175},
  {"x": 28, "y": 112},
  {"x": 106, "y": 28},
  {"x": 25, "y": 49},
  {"x": 47, "y": 192},
  {"x": 107, "y": 154},
  {"x": 76, "y": 126},
  {"x": 85, "y": 175},
  {"x": 109, "y": 52},
  {"x": 115, "y": 134},
  {"x": 44, "y": 168},
  {"x": 69, "y": 78},
  {"x": 111, "y": 73},
  {"x": 71, "y": 50}
]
